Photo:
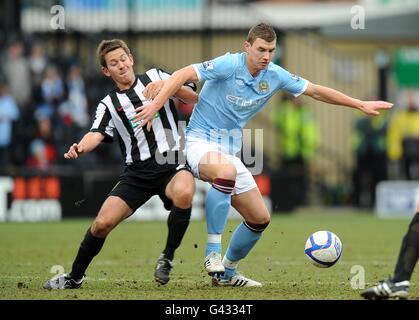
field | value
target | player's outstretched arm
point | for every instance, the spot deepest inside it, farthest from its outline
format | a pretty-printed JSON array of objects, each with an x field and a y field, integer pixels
[
  {"x": 185, "y": 93},
  {"x": 147, "y": 112},
  {"x": 89, "y": 142},
  {"x": 333, "y": 96}
]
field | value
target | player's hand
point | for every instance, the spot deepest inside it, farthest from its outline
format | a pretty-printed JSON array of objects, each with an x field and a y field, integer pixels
[
  {"x": 145, "y": 114},
  {"x": 371, "y": 107},
  {"x": 153, "y": 89},
  {"x": 74, "y": 151}
]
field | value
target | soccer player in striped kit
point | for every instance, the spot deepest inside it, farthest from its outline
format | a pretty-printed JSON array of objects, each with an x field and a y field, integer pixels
[{"x": 152, "y": 157}]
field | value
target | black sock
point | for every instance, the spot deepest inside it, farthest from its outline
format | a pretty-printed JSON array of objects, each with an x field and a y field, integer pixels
[
  {"x": 409, "y": 252},
  {"x": 89, "y": 248},
  {"x": 177, "y": 223}
]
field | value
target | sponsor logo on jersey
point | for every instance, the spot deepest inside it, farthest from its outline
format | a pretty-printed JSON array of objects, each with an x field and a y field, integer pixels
[{"x": 244, "y": 103}]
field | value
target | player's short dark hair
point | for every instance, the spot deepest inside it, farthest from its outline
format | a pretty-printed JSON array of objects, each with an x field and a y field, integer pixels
[
  {"x": 263, "y": 31},
  {"x": 109, "y": 45}
]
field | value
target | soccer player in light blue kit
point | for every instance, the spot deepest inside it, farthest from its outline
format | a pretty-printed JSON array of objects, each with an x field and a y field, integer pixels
[{"x": 236, "y": 87}]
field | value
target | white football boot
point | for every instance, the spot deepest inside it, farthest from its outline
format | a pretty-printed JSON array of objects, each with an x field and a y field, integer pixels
[
  {"x": 63, "y": 281},
  {"x": 387, "y": 290},
  {"x": 238, "y": 280},
  {"x": 213, "y": 264}
]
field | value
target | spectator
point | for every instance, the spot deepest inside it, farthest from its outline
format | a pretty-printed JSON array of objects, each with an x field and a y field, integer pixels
[
  {"x": 370, "y": 148},
  {"x": 73, "y": 114},
  {"x": 298, "y": 143},
  {"x": 52, "y": 89},
  {"x": 9, "y": 112},
  {"x": 38, "y": 62},
  {"x": 74, "y": 109},
  {"x": 18, "y": 74},
  {"x": 403, "y": 139},
  {"x": 42, "y": 152}
]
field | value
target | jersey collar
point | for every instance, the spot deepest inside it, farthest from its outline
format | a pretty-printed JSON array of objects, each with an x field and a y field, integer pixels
[
  {"x": 244, "y": 73},
  {"x": 130, "y": 88}
]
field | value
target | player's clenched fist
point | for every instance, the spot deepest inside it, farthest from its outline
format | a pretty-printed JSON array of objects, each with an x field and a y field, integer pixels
[{"x": 74, "y": 151}]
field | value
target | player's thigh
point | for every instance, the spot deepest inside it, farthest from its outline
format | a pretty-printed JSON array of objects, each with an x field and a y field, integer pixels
[
  {"x": 207, "y": 161},
  {"x": 182, "y": 185},
  {"x": 112, "y": 212},
  {"x": 215, "y": 164},
  {"x": 251, "y": 206}
]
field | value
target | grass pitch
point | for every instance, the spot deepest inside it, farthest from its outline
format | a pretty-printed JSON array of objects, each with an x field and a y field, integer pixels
[{"x": 30, "y": 253}]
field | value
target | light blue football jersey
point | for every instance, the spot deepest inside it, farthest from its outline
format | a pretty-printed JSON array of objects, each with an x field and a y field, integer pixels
[{"x": 231, "y": 96}]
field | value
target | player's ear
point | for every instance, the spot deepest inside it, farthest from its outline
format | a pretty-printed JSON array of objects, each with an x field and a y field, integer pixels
[
  {"x": 106, "y": 72},
  {"x": 247, "y": 46}
]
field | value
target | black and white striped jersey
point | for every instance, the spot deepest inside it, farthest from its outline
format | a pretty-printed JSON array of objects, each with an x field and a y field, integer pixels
[{"x": 115, "y": 112}]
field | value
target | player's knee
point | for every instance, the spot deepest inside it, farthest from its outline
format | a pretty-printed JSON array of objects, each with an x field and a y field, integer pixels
[
  {"x": 183, "y": 195},
  {"x": 101, "y": 227},
  {"x": 227, "y": 172},
  {"x": 259, "y": 226}
]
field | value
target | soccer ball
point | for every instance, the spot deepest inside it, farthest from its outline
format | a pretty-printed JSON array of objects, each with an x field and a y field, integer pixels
[{"x": 323, "y": 249}]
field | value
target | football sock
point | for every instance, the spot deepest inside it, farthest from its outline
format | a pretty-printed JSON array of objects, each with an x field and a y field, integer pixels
[
  {"x": 177, "y": 223},
  {"x": 230, "y": 268},
  {"x": 242, "y": 241},
  {"x": 217, "y": 207},
  {"x": 89, "y": 248},
  {"x": 409, "y": 252},
  {"x": 213, "y": 244}
]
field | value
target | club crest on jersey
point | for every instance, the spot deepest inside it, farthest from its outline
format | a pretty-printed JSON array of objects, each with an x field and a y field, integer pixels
[
  {"x": 208, "y": 65},
  {"x": 263, "y": 86}
]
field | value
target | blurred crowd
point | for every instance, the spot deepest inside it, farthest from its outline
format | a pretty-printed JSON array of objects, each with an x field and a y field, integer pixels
[
  {"x": 386, "y": 148},
  {"x": 43, "y": 108}
]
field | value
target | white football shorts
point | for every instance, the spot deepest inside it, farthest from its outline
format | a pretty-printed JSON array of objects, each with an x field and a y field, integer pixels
[{"x": 195, "y": 150}]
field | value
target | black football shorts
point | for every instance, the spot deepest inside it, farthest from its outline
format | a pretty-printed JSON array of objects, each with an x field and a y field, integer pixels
[{"x": 140, "y": 181}]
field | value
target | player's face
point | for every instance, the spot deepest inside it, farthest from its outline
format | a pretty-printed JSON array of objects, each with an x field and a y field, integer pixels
[
  {"x": 119, "y": 68},
  {"x": 259, "y": 54}
]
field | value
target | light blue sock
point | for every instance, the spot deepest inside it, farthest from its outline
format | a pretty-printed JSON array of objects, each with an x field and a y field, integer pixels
[
  {"x": 217, "y": 207},
  {"x": 213, "y": 244},
  {"x": 241, "y": 242}
]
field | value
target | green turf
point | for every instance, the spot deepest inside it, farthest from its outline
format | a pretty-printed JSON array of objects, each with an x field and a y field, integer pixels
[{"x": 124, "y": 267}]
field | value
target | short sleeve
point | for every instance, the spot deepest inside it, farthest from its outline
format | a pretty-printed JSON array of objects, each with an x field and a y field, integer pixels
[
  {"x": 218, "y": 68},
  {"x": 291, "y": 83},
  {"x": 166, "y": 75},
  {"x": 103, "y": 122}
]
